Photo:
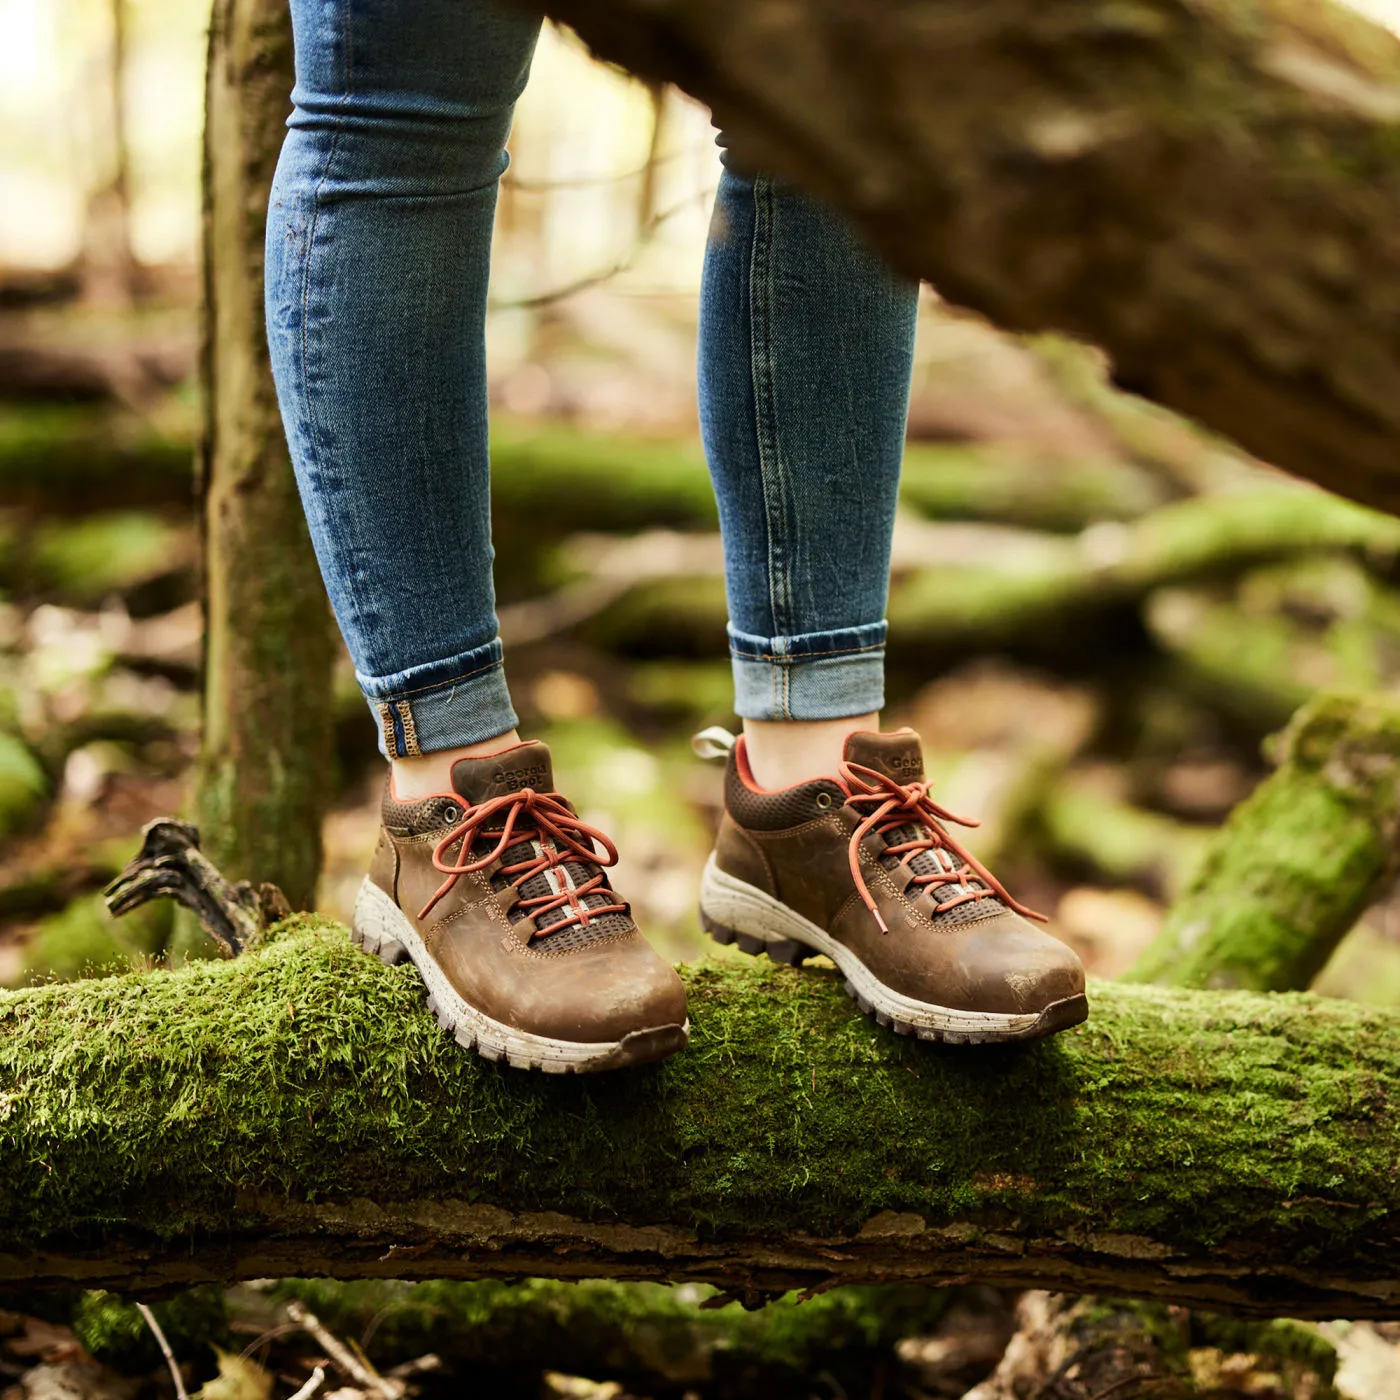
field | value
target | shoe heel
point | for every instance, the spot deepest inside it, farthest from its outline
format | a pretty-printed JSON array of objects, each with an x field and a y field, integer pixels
[
  {"x": 378, "y": 945},
  {"x": 369, "y": 928},
  {"x": 780, "y": 950}
]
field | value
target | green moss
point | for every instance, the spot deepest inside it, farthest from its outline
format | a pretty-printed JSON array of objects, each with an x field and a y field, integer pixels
[
  {"x": 111, "y": 1329},
  {"x": 604, "y": 1329},
  {"x": 1089, "y": 829},
  {"x": 309, "y": 1070},
  {"x": 83, "y": 940},
  {"x": 77, "y": 457},
  {"x": 1260, "y": 646},
  {"x": 975, "y": 481},
  {"x": 583, "y": 480},
  {"x": 1279, "y": 1339},
  {"x": 85, "y": 560},
  {"x": 24, "y": 786},
  {"x": 1298, "y": 861},
  {"x": 691, "y": 692}
]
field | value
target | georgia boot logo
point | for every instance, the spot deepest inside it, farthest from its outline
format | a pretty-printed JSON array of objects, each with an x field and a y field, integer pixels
[
  {"x": 906, "y": 765},
  {"x": 513, "y": 779}
]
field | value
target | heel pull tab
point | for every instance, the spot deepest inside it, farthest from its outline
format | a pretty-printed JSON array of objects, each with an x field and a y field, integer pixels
[{"x": 713, "y": 744}]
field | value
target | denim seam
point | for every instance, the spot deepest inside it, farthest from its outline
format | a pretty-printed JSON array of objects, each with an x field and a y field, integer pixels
[
  {"x": 496, "y": 665},
  {"x": 770, "y": 458},
  {"x": 311, "y": 420},
  {"x": 792, "y": 659}
]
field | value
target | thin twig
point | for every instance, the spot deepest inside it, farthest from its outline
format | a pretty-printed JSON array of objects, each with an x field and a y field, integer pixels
[
  {"x": 313, "y": 1383},
  {"x": 358, "y": 1369},
  {"x": 270, "y": 1335},
  {"x": 165, "y": 1347},
  {"x": 419, "y": 1366},
  {"x": 594, "y": 279}
]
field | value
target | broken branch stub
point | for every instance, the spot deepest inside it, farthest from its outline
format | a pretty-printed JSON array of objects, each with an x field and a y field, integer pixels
[{"x": 170, "y": 865}]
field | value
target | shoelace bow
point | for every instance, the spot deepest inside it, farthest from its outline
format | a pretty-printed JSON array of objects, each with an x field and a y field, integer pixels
[
  {"x": 895, "y": 805},
  {"x": 531, "y": 816}
]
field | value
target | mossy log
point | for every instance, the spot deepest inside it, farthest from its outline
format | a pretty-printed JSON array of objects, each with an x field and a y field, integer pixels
[
  {"x": 76, "y": 458},
  {"x": 1207, "y": 190},
  {"x": 976, "y": 481},
  {"x": 559, "y": 478},
  {"x": 1299, "y": 860},
  {"x": 1077, "y": 824},
  {"x": 1259, "y": 646},
  {"x": 296, "y": 1110}
]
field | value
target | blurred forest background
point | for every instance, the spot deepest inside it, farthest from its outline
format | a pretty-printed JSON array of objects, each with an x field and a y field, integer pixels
[
  {"x": 1099, "y": 615},
  {"x": 1098, "y": 611}
]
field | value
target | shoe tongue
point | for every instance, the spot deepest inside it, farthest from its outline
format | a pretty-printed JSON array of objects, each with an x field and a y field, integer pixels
[
  {"x": 896, "y": 755},
  {"x": 478, "y": 780}
]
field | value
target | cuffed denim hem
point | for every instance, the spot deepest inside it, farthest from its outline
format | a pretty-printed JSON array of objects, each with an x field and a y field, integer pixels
[
  {"x": 463, "y": 700},
  {"x": 818, "y": 675}
]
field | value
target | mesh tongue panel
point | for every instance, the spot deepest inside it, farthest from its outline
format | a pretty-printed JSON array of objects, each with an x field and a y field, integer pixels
[
  {"x": 550, "y": 883},
  {"x": 927, "y": 863}
]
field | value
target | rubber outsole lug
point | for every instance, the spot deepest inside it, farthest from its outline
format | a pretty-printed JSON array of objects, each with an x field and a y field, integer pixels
[
  {"x": 1058, "y": 1016},
  {"x": 387, "y": 950},
  {"x": 636, "y": 1048},
  {"x": 781, "y": 950}
]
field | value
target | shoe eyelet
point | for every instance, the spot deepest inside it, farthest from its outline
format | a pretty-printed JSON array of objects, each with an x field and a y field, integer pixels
[
  {"x": 823, "y": 800},
  {"x": 450, "y": 815}
]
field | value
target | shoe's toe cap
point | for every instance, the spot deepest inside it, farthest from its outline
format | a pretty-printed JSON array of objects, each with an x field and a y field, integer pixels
[
  {"x": 617, "y": 990},
  {"x": 1009, "y": 965}
]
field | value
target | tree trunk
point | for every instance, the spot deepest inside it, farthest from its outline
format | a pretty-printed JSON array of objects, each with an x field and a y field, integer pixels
[
  {"x": 296, "y": 1111},
  {"x": 266, "y": 750},
  {"x": 1207, "y": 190}
]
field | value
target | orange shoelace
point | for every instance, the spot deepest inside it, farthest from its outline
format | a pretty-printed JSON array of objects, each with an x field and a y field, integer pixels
[
  {"x": 532, "y": 816},
  {"x": 893, "y": 805}
]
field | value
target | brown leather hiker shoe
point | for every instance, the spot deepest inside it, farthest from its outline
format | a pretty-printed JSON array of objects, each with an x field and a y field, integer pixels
[
  {"x": 861, "y": 867},
  {"x": 497, "y": 892}
]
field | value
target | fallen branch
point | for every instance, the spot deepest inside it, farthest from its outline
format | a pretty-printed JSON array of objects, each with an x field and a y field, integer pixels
[
  {"x": 170, "y": 865},
  {"x": 1259, "y": 646},
  {"x": 164, "y": 1345},
  {"x": 295, "y": 1110},
  {"x": 355, "y": 1367},
  {"x": 1298, "y": 862},
  {"x": 985, "y": 587}
]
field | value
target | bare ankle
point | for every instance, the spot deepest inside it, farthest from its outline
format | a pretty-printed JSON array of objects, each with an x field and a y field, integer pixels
[
  {"x": 784, "y": 752},
  {"x": 431, "y": 773}
]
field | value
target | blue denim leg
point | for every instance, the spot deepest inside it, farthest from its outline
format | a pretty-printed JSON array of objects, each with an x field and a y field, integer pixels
[
  {"x": 806, "y": 351},
  {"x": 378, "y": 255}
]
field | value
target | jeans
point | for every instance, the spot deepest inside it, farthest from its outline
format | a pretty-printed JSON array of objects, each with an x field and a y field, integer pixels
[{"x": 378, "y": 257}]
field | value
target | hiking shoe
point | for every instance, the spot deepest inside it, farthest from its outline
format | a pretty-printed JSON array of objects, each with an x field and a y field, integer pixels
[
  {"x": 497, "y": 892},
  {"x": 861, "y": 866}
]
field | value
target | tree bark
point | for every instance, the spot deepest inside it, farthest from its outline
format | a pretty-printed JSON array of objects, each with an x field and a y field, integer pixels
[
  {"x": 296, "y": 1111},
  {"x": 267, "y": 731},
  {"x": 1298, "y": 862},
  {"x": 1207, "y": 190}
]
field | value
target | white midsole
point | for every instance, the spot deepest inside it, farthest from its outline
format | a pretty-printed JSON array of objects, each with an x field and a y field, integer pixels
[
  {"x": 378, "y": 921},
  {"x": 737, "y": 905}
]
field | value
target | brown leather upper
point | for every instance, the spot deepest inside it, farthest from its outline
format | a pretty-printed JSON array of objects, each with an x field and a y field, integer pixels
[
  {"x": 947, "y": 944},
  {"x": 579, "y": 977}
]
